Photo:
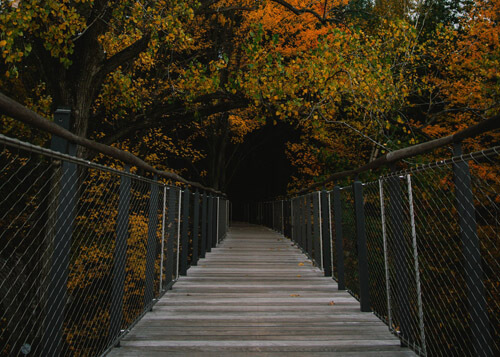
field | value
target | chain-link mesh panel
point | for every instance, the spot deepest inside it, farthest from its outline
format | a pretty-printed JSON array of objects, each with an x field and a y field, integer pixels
[
  {"x": 135, "y": 266},
  {"x": 350, "y": 241},
  {"x": 334, "y": 235},
  {"x": 316, "y": 230},
  {"x": 485, "y": 184},
  {"x": 459, "y": 277},
  {"x": 403, "y": 259},
  {"x": 375, "y": 250},
  {"x": 29, "y": 193},
  {"x": 85, "y": 251},
  {"x": 91, "y": 261}
]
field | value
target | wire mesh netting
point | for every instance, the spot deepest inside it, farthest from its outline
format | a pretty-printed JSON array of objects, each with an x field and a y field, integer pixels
[
  {"x": 458, "y": 250},
  {"x": 349, "y": 241},
  {"x": 402, "y": 255},
  {"x": 86, "y": 251},
  {"x": 433, "y": 251},
  {"x": 376, "y": 250}
]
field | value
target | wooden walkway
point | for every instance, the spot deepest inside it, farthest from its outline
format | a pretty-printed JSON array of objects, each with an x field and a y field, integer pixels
[{"x": 256, "y": 294}]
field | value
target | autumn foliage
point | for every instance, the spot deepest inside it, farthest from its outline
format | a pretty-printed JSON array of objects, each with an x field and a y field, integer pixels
[
  {"x": 350, "y": 76},
  {"x": 183, "y": 84}
]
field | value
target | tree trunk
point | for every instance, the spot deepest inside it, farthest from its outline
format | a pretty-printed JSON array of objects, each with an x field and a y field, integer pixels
[{"x": 217, "y": 153}]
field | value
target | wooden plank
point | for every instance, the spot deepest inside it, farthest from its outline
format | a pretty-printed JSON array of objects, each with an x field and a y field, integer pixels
[
  {"x": 258, "y": 294},
  {"x": 160, "y": 352}
]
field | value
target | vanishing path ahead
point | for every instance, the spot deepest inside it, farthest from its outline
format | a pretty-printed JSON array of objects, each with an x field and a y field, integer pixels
[{"x": 257, "y": 294}]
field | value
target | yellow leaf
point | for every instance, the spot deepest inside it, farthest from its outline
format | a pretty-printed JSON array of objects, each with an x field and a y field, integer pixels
[
  {"x": 294, "y": 295},
  {"x": 301, "y": 264}
]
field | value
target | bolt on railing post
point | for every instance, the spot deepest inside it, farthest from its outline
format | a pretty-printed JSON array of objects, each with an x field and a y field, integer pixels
[
  {"x": 364, "y": 292},
  {"x": 316, "y": 241},
  {"x": 399, "y": 249},
  {"x": 196, "y": 227},
  {"x": 204, "y": 224},
  {"x": 169, "y": 271},
  {"x": 61, "y": 244},
  {"x": 339, "y": 244},
  {"x": 210, "y": 218},
  {"x": 151, "y": 247},
  {"x": 471, "y": 250},
  {"x": 326, "y": 233},
  {"x": 185, "y": 233},
  {"x": 120, "y": 256}
]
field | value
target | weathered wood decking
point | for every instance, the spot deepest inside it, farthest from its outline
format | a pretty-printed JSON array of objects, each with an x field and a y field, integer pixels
[{"x": 256, "y": 294}]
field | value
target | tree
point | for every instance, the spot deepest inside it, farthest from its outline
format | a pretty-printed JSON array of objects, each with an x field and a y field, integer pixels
[{"x": 72, "y": 46}]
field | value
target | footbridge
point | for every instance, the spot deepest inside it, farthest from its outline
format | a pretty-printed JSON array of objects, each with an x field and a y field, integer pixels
[{"x": 127, "y": 260}]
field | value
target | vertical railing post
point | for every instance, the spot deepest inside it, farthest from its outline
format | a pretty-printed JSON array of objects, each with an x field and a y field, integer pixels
[
  {"x": 303, "y": 225},
  {"x": 229, "y": 208},
  {"x": 326, "y": 233},
  {"x": 178, "y": 250},
  {"x": 210, "y": 218},
  {"x": 163, "y": 224},
  {"x": 151, "y": 247},
  {"x": 339, "y": 244},
  {"x": 61, "y": 244},
  {"x": 399, "y": 250},
  {"x": 309, "y": 236},
  {"x": 296, "y": 221},
  {"x": 272, "y": 216},
  {"x": 196, "y": 227},
  {"x": 185, "y": 233},
  {"x": 471, "y": 250},
  {"x": 316, "y": 241},
  {"x": 171, "y": 229},
  {"x": 204, "y": 223},
  {"x": 282, "y": 217},
  {"x": 215, "y": 223},
  {"x": 386, "y": 253},
  {"x": 298, "y": 226},
  {"x": 292, "y": 220},
  {"x": 362, "y": 253},
  {"x": 120, "y": 256},
  {"x": 416, "y": 267}
]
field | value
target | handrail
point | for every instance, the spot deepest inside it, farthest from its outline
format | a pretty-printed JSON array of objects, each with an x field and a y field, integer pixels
[
  {"x": 416, "y": 247},
  {"x": 418, "y": 149},
  {"x": 16, "y": 110},
  {"x": 87, "y": 250}
]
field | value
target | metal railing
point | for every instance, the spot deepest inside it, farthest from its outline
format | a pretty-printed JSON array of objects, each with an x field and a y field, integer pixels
[
  {"x": 420, "y": 248},
  {"x": 86, "y": 250}
]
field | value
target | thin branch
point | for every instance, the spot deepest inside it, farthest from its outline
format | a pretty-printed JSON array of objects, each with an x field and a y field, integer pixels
[{"x": 298, "y": 11}]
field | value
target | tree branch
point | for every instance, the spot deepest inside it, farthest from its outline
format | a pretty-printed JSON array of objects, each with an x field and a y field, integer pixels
[
  {"x": 124, "y": 55},
  {"x": 323, "y": 19}
]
